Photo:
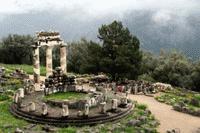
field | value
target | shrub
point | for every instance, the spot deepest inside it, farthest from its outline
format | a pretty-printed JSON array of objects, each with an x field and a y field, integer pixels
[
  {"x": 141, "y": 106},
  {"x": 3, "y": 97}
]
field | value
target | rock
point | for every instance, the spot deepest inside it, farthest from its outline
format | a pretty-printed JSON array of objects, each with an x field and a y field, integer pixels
[
  {"x": 198, "y": 130},
  {"x": 195, "y": 102},
  {"x": 48, "y": 128},
  {"x": 133, "y": 122},
  {"x": 174, "y": 131},
  {"x": 182, "y": 104},
  {"x": 1, "y": 90},
  {"x": 177, "y": 107},
  {"x": 7, "y": 126},
  {"x": 110, "y": 128},
  {"x": 149, "y": 130},
  {"x": 154, "y": 123},
  {"x": 19, "y": 130},
  {"x": 143, "y": 118},
  {"x": 147, "y": 112},
  {"x": 198, "y": 112},
  {"x": 30, "y": 126}
]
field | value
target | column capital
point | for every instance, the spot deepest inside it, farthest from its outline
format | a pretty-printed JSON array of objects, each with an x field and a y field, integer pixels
[
  {"x": 36, "y": 45},
  {"x": 63, "y": 44}
]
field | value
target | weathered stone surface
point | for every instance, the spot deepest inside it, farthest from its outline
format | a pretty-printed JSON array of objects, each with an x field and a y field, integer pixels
[
  {"x": 48, "y": 128},
  {"x": 143, "y": 118},
  {"x": 36, "y": 65},
  {"x": 18, "y": 130},
  {"x": 44, "y": 109},
  {"x": 114, "y": 104},
  {"x": 134, "y": 122},
  {"x": 32, "y": 107},
  {"x": 103, "y": 107},
  {"x": 174, "y": 131},
  {"x": 86, "y": 110},
  {"x": 195, "y": 102},
  {"x": 21, "y": 92},
  {"x": 65, "y": 111}
]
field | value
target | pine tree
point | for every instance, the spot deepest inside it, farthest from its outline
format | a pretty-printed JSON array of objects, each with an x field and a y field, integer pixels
[{"x": 122, "y": 57}]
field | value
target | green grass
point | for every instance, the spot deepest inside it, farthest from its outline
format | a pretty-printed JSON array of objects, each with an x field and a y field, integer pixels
[
  {"x": 6, "y": 119},
  {"x": 177, "y": 95},
  {"x": 4, "y": 97},
  {"x": 66, "y": 95},
  {"x": 27, "y": 68}
]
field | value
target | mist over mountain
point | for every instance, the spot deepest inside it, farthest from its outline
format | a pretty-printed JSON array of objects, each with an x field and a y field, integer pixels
[{"x": 157, "y": 26}]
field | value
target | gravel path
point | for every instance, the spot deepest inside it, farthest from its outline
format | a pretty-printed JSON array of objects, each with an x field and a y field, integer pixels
[{"x": 169, "y": 119}]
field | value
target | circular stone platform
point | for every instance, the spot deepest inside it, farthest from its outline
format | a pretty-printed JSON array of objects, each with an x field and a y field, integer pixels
[{"x": 76, "y": 108}]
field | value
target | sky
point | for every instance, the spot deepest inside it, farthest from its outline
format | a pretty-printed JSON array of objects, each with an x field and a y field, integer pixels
[
  {"x": 94, "y": 8},
  {"x": 157, "y": 23}
]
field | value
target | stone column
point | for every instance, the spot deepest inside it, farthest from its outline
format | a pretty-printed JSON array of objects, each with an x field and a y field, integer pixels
[
  {"x": 103, "y": 107},
  {"x": 86, "y": 110},
  {"x": 21, "y": 92},
  {"x": 65, "y": 111},
  {"x": 44, "y": 109},
  {"x": 32, "y": 107},
  {"x": 36, "y": 64},
  {"x": 63, "y": 58},
  {"x": 16, "y": 97},
  {"x": 114, "y": 104},
  {"x": 48, "y": 61}
]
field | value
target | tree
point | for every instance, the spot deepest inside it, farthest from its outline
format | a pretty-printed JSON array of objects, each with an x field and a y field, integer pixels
[
  {"x": 196, "y": 77},
  {"x": 18, "y": 48},
  {"x": 121, "y": 54},
  {"x": 84, "y": 57},
  {"x": 174, "y": 68}
]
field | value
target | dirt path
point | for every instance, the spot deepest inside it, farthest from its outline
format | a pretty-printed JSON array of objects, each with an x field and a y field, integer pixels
[{"x": 169, "y": 119}]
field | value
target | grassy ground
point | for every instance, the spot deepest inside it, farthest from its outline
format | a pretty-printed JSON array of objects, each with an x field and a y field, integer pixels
[
  {"x": 65, "y": 95},
  {"x": 27, "y": 68},
  {"x": 178, "y": 95}
]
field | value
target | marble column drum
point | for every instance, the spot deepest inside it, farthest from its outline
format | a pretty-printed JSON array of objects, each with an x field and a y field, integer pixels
[
  {"x": 63, "y": 58},
  {"x": 49, "y": 63},
  {"x": 36, "y": 65}
]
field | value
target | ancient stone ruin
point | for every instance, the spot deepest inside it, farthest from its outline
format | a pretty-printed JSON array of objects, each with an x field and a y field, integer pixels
[
  {"x": 19, "y": 74},
  {"x": 48, "y": 40},
  {"x": 99, "y": 103}
]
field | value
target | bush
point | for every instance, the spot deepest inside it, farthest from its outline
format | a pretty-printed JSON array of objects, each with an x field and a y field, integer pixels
[
  {"x": 141, "y": 106},
  {"x": 3, "y": 97}
]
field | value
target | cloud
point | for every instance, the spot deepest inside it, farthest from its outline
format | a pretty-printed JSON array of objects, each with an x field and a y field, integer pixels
[
  {"x": 96, "y": 7},
  {"x": 162, "y": 17}
]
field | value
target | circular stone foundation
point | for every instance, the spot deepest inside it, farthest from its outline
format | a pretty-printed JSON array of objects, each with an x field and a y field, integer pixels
[{"x": 76, "y": 110}]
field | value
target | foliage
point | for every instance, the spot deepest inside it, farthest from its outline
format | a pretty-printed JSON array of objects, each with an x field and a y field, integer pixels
[
  {"x": 177, "y": 95},
  {"x": 18, "y": 48},
  {"x": 141, "y": 106},
  {"x": 121, "y": 54},
  {"x": 195, "y": 76},
  {"x": 173, "y": 68},
  {"x": 84, "y": 57},
  {"x": 170, "y": 67},
  {"x": 3, "y": 97}
]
